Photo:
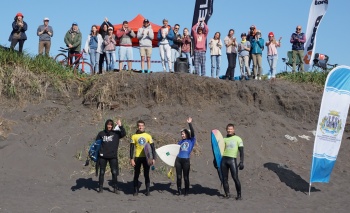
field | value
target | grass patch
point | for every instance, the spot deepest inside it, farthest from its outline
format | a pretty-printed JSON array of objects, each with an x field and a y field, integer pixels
[{"x": 313, "y": 77}]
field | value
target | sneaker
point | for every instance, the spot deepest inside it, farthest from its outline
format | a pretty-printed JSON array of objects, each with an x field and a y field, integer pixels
[
  {"x": 145, "y": 71},
  {"x": 259, "y": 78},
  {"x": 246, "y": 78},
  {"x": 172, "y": 71}
]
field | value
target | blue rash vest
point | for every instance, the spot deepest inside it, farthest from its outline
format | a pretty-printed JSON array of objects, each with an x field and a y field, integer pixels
[{"x": 186, "y": 146}]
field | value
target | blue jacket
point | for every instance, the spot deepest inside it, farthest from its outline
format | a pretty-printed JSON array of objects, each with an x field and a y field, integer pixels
[
  {"x": 16, "y": 29},
  {"x": 169, "y": 37},
  {"x": 257, "y": 46}
]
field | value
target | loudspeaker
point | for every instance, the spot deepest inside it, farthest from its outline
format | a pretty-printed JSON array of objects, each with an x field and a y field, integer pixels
[{"x": 181, "y": 65}]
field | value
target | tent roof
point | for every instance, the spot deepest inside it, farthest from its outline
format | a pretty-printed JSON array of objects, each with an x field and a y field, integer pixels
[{"x": 136, "y": 23}]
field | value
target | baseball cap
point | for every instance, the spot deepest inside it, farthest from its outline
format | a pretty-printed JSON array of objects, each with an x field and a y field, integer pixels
[
  {"x": 271, "y": 34},
  {"x": 110, "y": 28},
  {"x": 46, "y": 19},
  {"x": 75, "y": 23},
  {"x": 243, "y": 34},
  {"x": 146, "y": 20},
  {"x": 19, "y": 14}
]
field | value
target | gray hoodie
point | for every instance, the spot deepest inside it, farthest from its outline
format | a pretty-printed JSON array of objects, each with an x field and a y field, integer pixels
[{"x": 146, "y": 38}]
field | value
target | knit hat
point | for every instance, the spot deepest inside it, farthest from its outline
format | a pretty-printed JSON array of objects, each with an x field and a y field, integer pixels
[
  {"x": 19, "y": 14},
  {"x": 271, "y": 34}
]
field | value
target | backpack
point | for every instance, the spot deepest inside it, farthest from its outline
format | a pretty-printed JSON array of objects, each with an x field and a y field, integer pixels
[{"x": 94, "y": 150}]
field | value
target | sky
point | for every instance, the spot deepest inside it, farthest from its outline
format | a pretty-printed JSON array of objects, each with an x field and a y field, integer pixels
[{"x": 278, "y": 16}]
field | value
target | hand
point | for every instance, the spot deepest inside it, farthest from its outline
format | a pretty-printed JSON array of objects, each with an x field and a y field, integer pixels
[
  {"x": 70, "y": 46},
  {"x": 153, "y": 162},
  {"x": 119, "y": 122},
  {"x": 240, "y": 165},
  {"x": 132, "y": 162},
  {"x": 189, "y": 120},
  {"x": 106, "y": 19}
]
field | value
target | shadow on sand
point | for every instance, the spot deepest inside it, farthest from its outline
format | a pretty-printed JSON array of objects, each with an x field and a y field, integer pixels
[
  {"x": 291, "y": 179},
  {"x": 86, "y": 184}
]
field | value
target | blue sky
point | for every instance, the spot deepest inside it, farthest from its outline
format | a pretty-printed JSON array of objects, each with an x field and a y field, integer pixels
[{"x": 279, "y": 16}]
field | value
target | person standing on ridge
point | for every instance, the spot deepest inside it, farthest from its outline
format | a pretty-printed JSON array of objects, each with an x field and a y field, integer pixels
[
  {"x": 298, "y": 39},
  {"x": 125, "y": 34},
  {"x": 103, "y": 31},
  {"x": 231, "y": 52},
  {"x": 18, "y": 33},
  {"x": 200, "y": 32},
  {"x": 73, "y": 41},
  {"x": 145, "y": 36},
  {"x": 138, "y": 157},
  {"x": 165, "y": 41},
  {"x": 45, "y": 32}
]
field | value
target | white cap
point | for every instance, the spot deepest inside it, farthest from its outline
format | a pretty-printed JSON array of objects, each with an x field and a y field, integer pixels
[{"x": 46, "y": 19}]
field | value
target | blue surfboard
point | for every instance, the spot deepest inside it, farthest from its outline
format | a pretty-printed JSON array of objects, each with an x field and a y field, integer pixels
[{"x": 217, "y": 144}]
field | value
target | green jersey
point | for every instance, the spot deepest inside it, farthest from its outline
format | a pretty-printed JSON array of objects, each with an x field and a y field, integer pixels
[{"x": 231, "y": 146}]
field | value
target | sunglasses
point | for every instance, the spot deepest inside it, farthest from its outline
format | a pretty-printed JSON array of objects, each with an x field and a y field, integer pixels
[
  {"x": 252, "y": 28},
  {"x": 176, "y": 28},
  {"x": 298, "y": 29},
  {"x": 110, "y": 30}
]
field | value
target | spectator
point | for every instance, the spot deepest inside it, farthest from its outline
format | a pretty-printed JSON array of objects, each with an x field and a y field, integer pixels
[
  {"x": 200, "y": 32},
  {"x": 186, "y": 48},
  {"x": 243, "y": 56},
  {"x": 103, "y": 32},
  {"x": 231, "y": 52},
  {"x": 215, "y": 45},
  {"x": 257, "y": 46},
  {"x": 110, "y": 43},
  {"x": 272, "y": 55},
  {"x": 145, "y": 36},
  {"x": 165, "y": 41},
  {"x": 298, "y": 39},
  {"x": 73, "y": 41},
  {"x": 176, "y": 47},
  {"x": 251, "y": 34},
  {"x": 125, "y": 34},
  {"x": 18, "y": 33},
  {"x": 45, "y": 32},
  {"x": 93, "y": 46}
]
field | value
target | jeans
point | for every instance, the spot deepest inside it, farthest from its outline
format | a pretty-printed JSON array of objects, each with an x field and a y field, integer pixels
[
  {"x": 215, "y": 62},
  {"x": 94, "y": 59},
  {"x": 272, "y": 60},
  {"x": 230, "y": 72},
  {"x": 174, "y": 55},
  {"x": 101, "y": 62},
  {"x": 188, "y": 56},
  {"x": 165, "y": 50},
  {"x": 111, "y": 58}
]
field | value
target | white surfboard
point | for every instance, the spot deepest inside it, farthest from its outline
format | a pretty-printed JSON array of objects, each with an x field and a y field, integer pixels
[{"x": 168, "y": 153}]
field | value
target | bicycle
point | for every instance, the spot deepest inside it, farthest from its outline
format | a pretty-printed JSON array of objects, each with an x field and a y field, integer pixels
[{"x": 79, "y": 66}]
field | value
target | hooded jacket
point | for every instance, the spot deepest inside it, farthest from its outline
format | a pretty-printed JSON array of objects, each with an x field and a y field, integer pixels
[
  {"x": 110, "y": 140},
  {"x": 145, "y": 40}
]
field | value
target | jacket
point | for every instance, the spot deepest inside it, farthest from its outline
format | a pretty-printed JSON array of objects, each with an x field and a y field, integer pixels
[
  {"x": 177, "y": 41},
  {"x": 73, "y": 38},
  {"x": 99, "y": 44},
  {"x": 109, "y": 45},
  {"x": 232, "y": 48},
  {"x": 145, "y": 40},
  {"x": 17, "y": 29},
  {"x": 257, "y": 45},
  {"x": 200, "y": 40},
  {"x": 215, "y": 46},
  {"x": 298, "y": 44},
  {"x": 125, "y": 37},
  {"x": 169, "y": 37}
]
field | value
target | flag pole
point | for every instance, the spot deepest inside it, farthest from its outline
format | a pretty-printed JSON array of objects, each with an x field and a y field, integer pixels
[{"x": 309, "y": 188}]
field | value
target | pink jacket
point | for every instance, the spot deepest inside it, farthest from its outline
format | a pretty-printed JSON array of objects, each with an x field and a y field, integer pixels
[{"x": 200, "y": 39}]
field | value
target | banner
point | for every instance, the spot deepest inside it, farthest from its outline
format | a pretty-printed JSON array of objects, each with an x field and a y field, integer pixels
[
  {"x": 331, "y": 123},
  {"x": 317, "y": 11},
  {"x": 202, "y": 9}
]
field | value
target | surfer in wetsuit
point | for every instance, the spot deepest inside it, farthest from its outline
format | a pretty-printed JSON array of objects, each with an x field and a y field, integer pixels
[
  {"x": 109, "y": 152},
  {"x": 137, "y": 145},
  {"x": 182, "y": 162},
  {"x": 233, "y": 144}
]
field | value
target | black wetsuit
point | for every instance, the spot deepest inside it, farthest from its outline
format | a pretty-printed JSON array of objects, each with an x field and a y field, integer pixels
[{"x": 109, "y": 153}]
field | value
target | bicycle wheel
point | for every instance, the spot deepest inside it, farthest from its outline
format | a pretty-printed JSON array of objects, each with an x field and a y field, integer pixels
[
  {"x": 62, "y": 59},
  {"x": 83, "y": 67}
]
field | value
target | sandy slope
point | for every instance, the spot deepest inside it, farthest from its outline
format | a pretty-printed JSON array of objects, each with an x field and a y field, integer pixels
[{"x": 40, "y": 171}]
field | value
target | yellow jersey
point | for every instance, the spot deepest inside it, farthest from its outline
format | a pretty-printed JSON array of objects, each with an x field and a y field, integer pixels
[{"x": 140, "y": 140}]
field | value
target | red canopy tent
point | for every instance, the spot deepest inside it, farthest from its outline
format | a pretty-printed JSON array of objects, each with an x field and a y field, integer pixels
[{"x": 135, "y": 24}]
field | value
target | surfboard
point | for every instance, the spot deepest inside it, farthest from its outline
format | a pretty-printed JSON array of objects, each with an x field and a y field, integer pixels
[
  {"x": 218, "y": 146},
  {"x": 168, "y": 153},
  {"x": 148, "y": 152}
]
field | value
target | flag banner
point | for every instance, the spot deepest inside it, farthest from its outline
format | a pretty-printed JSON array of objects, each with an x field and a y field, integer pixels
[
  {"x": 317, "y": 11},
  {"x": 202, "y": 9},
  {"x": 331, "y": 123}
]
